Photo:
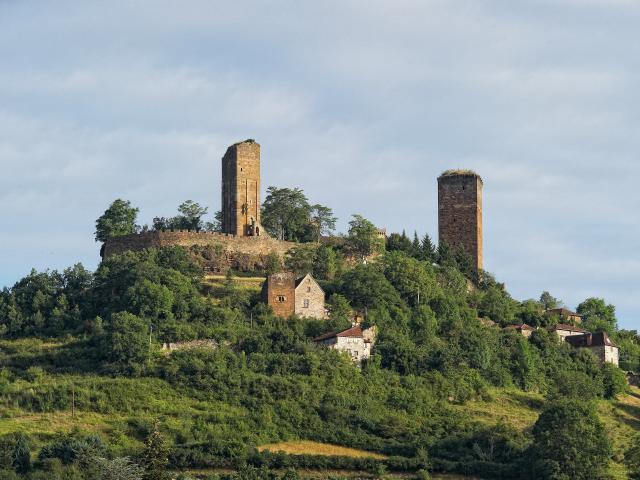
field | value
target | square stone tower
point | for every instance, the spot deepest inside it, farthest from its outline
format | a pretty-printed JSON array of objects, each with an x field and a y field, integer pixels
[
  {"x": 241, "y": 190},
  {"x": 460, "y": 212}
]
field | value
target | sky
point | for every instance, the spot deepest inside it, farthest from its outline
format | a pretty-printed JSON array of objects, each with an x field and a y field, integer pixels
[{"x": 362, "y": 104}]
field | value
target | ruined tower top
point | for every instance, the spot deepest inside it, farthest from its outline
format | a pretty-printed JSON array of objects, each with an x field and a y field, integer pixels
[
  {"x": 460, "y": 212},
  {"x": 241, "y": 190}
]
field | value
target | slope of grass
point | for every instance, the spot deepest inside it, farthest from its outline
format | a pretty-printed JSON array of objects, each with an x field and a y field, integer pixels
[{"x": 122, "y": 410}]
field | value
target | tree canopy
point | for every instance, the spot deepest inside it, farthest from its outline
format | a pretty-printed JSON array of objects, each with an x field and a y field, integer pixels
[{"x": 119, "y": 219}]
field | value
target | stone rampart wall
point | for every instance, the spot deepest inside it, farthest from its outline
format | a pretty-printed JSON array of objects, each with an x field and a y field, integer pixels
[{"x": 216, "y": 251}]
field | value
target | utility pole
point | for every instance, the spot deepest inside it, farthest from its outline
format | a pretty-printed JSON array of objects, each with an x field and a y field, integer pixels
[
  {"x": 150, "y": 342},
  {"x": 418, "y": 295},
  {"x": 73, "y": 400}
]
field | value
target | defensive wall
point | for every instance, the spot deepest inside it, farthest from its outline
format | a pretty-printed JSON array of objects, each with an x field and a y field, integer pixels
[{"x": 216, "y": 251}]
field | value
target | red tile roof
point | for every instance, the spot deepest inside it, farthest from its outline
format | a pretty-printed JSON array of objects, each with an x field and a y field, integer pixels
[
  {"x": 351, "y": 332},
  {"x": 522, "y": 326},
  {"x": 598, "y": 339},
  {"x": 568, "y": 328}
]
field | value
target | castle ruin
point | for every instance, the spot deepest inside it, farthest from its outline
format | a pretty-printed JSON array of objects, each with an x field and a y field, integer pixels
[
  {"x": 460, "y": 212},
  {"x": 241, "y": 190},
  {"x": 243, "y": 244}
]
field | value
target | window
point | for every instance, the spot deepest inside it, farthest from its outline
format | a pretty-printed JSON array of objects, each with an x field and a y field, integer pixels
[
  {"x": 281, "y": 298},
  {"x": 308, "y": 289},
  {"x": 306, "y": 303}
]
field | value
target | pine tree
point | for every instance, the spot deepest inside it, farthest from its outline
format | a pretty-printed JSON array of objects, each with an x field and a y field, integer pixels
[
  {"x": 155, "y": 457},
  {"x": 22, "y": 455},
  {"x": 428, "y": 249},
  {"x": 415, "y": 246}
]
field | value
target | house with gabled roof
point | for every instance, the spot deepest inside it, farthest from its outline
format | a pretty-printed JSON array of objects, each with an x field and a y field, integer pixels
[
  {"x": 355, "y": 341},
  {"x": 599, "y": 343},
  {"x": 290, "y": 295},
  {"x": 523, "y": 329},
  {"x": 565, "y": 314},
  {"x": 564, "y": 330}
]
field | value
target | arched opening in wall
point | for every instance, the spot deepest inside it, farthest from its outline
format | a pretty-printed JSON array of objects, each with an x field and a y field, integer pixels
[{"x": 257, "y": 231}]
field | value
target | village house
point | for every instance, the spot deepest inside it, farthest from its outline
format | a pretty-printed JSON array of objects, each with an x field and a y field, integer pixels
[
  {"x": 599, "y": 343},
  {"x": 565, "y": 314},
  {"x": 290, "y": 295},
  {"x": 564, "y": 330},
  {"x": 523, "y": 329},
  {"x": 355, "y": 341}
]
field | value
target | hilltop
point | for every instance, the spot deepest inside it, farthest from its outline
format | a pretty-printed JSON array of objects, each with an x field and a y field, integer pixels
[{"x": 445, "y": 391}]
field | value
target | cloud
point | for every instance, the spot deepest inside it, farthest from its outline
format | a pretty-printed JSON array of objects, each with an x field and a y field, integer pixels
[{"x": 362, "y": 104}]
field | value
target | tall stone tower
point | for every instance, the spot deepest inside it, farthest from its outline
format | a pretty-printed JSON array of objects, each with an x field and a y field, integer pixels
[
  {"x": 460, "y": 212},
  {"x": 241, "y": 190}
]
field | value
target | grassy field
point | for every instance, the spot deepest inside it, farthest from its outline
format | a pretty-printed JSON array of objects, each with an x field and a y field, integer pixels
[
  {"x": 304, "y": 447},
  {"x": 214, "y": 285},
  {"x": 621, "y": 417},
  {"x": 120, "y": 409}
]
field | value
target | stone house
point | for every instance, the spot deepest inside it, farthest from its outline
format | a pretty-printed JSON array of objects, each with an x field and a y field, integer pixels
[
  {"x": 599, "y": 343},
  {"x": 355, "y": 341},
  {"x": 565, "y": 314},
  {"x": 564, "y": 330},
  {"x": 523, "y": 329},
  {"x": 288, "y": 295}
]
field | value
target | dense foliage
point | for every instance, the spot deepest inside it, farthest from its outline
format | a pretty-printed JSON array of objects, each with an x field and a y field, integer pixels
[{"x": 440, "y": 345}]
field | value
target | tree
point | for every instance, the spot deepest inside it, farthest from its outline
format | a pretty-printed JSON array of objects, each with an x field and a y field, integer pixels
[
  {"x": 300, "y": 259},
  {"x": 118, "y": 469},
  {"x": 322, "y": 220},
  {"x": 570, "y": 442},
  {"x": 416, "y": 246},
  {"x": 414, "y": 280},
  {"x": 428, "y": 250},
  {"x": 119, "y": 219},
  {"x": 614, "y": 381},
  {"x": 286, "y": 213},
  {"x": 497, "y": 305},
  {"x": 126, "y": 344},
  {"x": 216, "y": 225},
  {"x": 548, "y": 301},
  {"x": 189, "y": 218},
  {"x": 445, "y": 254},
  {"x": 155, "y": 456},
  {"x": 399, "y": 242},
  {"x": 326, "y": 262},
  {"x": 363, "y": 237},
  {"x": 21, "y": 455},
  {"x": 366, "y": 287},
  {"x": 272, "y": 263},
  {"x": 598, "y": 316},
  {"x": 191, "y": 214},
  {"x": 339, "y": 306}
]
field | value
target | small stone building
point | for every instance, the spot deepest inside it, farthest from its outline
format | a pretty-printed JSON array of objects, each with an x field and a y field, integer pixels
[
  {"x": 564, "y": 330},
  {"x": 565, "y": 314},
  {"x": 523, "y": 329},
  {"x": 355, "y": 341},
  {"x": 599, "y": 343},
  {"x": 288, "y": 295}
]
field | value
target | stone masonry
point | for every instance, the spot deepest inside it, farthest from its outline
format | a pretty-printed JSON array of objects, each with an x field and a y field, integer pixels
[
  {"x": 288, "y": 295},
  {"x": 309, "y": 298},
  {"x": 241, "y": 190},
  {"x": 218, "y": 252},
  {"x": 460, "y": 212},
  {"x": 279, "y": 292}
]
